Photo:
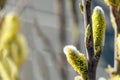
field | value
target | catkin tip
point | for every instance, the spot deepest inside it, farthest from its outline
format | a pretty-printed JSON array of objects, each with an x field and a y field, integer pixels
[
  {"x": 98, "y": 8},
  {"x": 67, "y": 47}
]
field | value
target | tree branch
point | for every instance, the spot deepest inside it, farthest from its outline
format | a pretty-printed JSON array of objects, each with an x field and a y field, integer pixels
[{"x": 92, "y": 63}]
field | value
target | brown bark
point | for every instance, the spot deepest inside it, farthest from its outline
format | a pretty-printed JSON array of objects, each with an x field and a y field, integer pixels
[{"x": 91, "y": 59}]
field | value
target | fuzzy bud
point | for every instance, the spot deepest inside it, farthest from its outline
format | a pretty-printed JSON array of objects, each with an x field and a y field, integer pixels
[
  {"x": 99, "y": 26},
  {"x": 76, "y": 59},
  {"x": 87, "y": 32}
]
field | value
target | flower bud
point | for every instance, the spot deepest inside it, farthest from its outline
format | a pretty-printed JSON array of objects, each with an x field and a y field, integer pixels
[
  {"x": 98, "y": 26},
  {"x": 77, "y": 60}
]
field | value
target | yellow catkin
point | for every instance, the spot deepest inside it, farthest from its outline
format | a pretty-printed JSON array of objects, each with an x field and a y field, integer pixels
[
  {"x": 99, "y": 26},
  {"x": 10, "y": 28},
  {"x": 112, "y": 2},
  {"x": 77, "y": 60}
]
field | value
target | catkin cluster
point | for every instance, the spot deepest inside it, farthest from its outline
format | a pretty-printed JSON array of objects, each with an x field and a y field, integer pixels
[
  {"x": 78, "y": 60},
  {"x": 13, "y": 47}
]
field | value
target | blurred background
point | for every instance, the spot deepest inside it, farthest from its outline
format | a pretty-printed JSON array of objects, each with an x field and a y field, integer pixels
[{"x": 49, "y": 25}]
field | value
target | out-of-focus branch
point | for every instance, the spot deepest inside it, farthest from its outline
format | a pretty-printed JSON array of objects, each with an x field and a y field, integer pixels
[
  {"x": 62, "y": 36},
  {"x": 116, "y": 13},
  {"x": 21, "y": 5},
  {"x": 76, "y": 31},
  {"x": 114, "y": 6},
  {"x": 46, "y": 41}
]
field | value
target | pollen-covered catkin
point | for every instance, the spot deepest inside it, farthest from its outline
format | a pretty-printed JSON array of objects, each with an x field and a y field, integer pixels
[
  {"x": 99, "y": 26},
  {"x": 77, "y": 60}
]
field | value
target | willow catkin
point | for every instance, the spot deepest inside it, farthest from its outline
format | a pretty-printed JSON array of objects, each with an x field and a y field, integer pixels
[
  {"x": 76, "y": 59},
  {"x": 10, "y": 28},
  {"x": 98, "y": 26}
]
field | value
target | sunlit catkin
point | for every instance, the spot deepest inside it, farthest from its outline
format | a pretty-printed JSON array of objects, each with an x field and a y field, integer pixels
[
  {"x": 10, "y": 28},
  {"x": 77, "y": 60},
  {"x": 99, "y": 26}
]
